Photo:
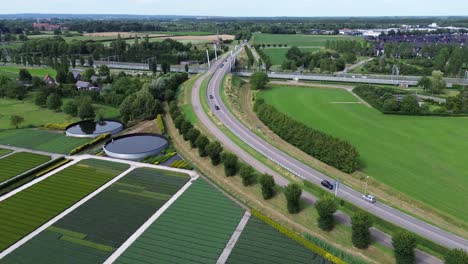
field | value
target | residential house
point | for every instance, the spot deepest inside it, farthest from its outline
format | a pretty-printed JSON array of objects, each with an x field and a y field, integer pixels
[
  {"x": 77, "y": 76},
  {"x": 48, "y": 80}
]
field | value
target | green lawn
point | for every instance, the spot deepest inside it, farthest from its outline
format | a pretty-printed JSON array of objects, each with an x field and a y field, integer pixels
[
  {"x": 39, "y": 72},
  {"x": 41, "y": 140},
  {"x": 3, "y": 152},
  {"x": 93, "y": 231},
  {"x": 278, "y": 55},
  {"x": 34, "y": 206},
  {"x": 298, "y": 40},
  {"x": 18, "y": 163},
  {"x": 195, "y": 229},
  {"x": 423, "y": 157}
]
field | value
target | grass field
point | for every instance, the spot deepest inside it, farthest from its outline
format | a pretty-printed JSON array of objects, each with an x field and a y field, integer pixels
[
  {"x": 34, "y": 206},
  {"x": 195, "y": 229},
  {"x": 93, "y": 231},
  {"x": 422, "y": 157},
  {"x": 3, "y": 152},
  {"x": 298, "y": 40},
  {"x": 260, "y": 243},
  {"x": 278, "y": 55},
  {"x": 41, "y": 140},
  {"x": 18, "y": 163},
  {"x": 39, "y": 72}
]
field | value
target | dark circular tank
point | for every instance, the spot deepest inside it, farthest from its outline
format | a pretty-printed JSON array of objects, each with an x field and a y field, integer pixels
[
  {"x": 92, "y": 129},
  {"x": 135, "y": 146}
]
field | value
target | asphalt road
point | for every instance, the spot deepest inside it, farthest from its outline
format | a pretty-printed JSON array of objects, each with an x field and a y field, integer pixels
[{"x": 296, "y": 167}]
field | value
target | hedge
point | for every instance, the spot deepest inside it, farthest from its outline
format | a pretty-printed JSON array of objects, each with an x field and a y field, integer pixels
[
  {"x": 335, "y": 251},
  {"x": 161, "y": 159},
  {"x": 160, "y": 123},
  {"x": 326, "y": 148},
  {"x": 90, "y": 143},
  {"x": 181, "y": 164},
  {"x": 51, "y": 168},
  {"x": 58, "y": 126},
  {"x": 301, "y": 240}
]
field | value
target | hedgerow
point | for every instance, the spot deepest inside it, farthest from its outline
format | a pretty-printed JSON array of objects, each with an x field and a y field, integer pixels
[
  {"x": 328, "y": 149},
  {"x": 90, "y": 143},
  {"x": 160, "y": 123},
  {"x": 181, "y": 164},
  {"x": 57, "y": 126}
]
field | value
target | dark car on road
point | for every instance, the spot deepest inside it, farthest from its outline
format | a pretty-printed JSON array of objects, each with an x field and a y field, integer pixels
[
  {"x": 327, "y": 184},
  {"x": 211, "y": 96},
  {"x": 216, "y": 107}
]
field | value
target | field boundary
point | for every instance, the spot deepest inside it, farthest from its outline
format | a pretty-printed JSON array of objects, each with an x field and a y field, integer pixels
[
  {"x": 64, "y": 213},
  {"x": 149, "y": 222},
  {"x": 235, "y": 236}
]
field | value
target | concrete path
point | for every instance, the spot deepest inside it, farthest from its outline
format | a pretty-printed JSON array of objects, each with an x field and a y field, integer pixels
[
  {"x": 17, "y": 149},
  {"x": 235, "y": 236}
]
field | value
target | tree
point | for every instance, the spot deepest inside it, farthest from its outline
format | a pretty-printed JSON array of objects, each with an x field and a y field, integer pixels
[
  {"x": 153, "y": 66},
  {"x": 259, "y": 80},
  {"x": 103, "y": 70},
  {"x": 361, "y": 223},
  {"x": 54, "y": 102},
  {"x": 185, "y": 128},
  {"x": 293, "y": 194},
  {"x": 25, "y": 76},
  {"x": 40, "y": 98},
  {"x": 404, "y": 244},
  {"x": 425, "y": 82},
  {"x": 410, "y": 105},
  {"x": 186, "y": 68},
  {"x": 247, "y": 174},
  {"x": 391, "y": 105},
  {"x": 192, "y": 136},
  {"x": 456, "y": 256},
  {"x": 230, "y": 164},
  {"x": 201, "y": 143},
  {"x": 70, "y": 107},
  {"x": 88, "y": 74},
  {"x": 86, "y": 110},
  {"x": 214, "y": 150},
  {"x": 326, "y": 208},
  {"x": 438, "y": 82},
  {"x": 268, "y": 186},
  {"x": 90, "y": 61},
  {"x": 16, "y": 120},
  {"x": 165, "y": 67}
]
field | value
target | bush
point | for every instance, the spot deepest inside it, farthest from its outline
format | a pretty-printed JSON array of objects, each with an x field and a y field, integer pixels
[
  {"x": 330, "y": 150},
  {"x": 293, "y": 194},
  {"x": 181, "y": 164},
  {"x": 58, "y": 126},
  {"x": 248, "y": 175},
  {"x": 361, "y": 236},
  {"x": 456, "y": 256},
  {"x": 161, "y": 159},
  {"x": 268, "y": 186},
  {"x": 230, "y": 164},
  {"x": 326, "y": 208},
  {"x": 404, "y": 244},
  {"x": 90, "y": 143},
  {"x": 214, "y": 150},
  {"x": 160, "y": 123}
]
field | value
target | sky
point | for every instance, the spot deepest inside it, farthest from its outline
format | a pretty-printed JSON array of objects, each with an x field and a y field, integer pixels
[{"x": 265, "y": 8}]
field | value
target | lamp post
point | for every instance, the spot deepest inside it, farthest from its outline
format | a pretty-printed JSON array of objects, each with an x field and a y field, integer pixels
[{"x": 365, "y": 190}]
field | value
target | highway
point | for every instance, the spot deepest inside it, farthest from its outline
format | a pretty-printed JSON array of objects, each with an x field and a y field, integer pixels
[{"x": 294, "y": 166}]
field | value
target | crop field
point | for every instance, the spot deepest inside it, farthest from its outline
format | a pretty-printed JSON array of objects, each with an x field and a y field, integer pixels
[
  {"x": 27, "y": 210},
  {"x": 195, "y": 229},
  {"x": 93, "y": 231},
  {"x": 18, "y": 163},
  {"x": 298, "y": 40},
  {"x": 41, "y": 140},
  {"x": 260, "y": 243},
  {"x": 278, "y": 55},
  {"x": 423, "y": 157},
  {"x": 39, "y": 72},
  {"x": 3, "y": 152}
]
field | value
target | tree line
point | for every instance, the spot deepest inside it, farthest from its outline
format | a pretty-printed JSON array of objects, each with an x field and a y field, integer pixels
[{"x": 328, "y": 149}]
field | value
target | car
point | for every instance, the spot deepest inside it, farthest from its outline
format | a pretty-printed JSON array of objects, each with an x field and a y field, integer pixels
[
  {"x": 216, "y": 107},
  {"x": 327, "y": 184},
  {"x": 369, "y": 198},
  {"x": 211, "y": 96}
]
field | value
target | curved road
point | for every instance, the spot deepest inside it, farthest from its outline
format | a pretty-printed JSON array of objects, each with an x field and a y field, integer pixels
[{"x": 296, "y": 167}]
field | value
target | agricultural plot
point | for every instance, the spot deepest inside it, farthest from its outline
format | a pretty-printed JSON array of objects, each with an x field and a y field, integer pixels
[
  {"x": 418, "y": 156},
  {"x": 27, "y": 210},
  {"x": 39, "y": 72},
  {"x": 41, "y": 140},
  {"x": 18, "y": 163},
  {"x": 260, "y": 243},
  {"x": 298, "y": 40},
  {"x": 195, "y": 229},
  {"x": 93, "y": 231},
  {"x": 278, "y": 55},
  {"x": 4, "y": 152}
]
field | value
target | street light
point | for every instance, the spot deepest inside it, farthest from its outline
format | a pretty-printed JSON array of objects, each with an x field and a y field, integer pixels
[{"x": 365, "y": 190}]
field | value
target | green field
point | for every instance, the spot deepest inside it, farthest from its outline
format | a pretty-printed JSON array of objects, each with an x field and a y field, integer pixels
[
  {"x": 423, "y": 157},
  {"x": 41, "y": 140},
  {"x": 195, "y": 229},
  {"x": 93, "y": 231},
  {"x": 34, "y": 206},
  {"x": 298, "y": 40},
  {"x": 18, "y": 163},
  {"x": 261, "y": 243},
  {"x": 39, "y": 72},
  {"x": 278, "y": 55},
  {"x": 3, "y": 152}
]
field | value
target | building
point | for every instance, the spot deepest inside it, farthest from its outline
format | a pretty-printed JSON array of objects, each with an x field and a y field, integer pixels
[
  {"x": 86, "y": 86},
  {"x": 48, "y": 80},
  {"x": 46, "y": 26},
  {"x": 77, "y": 76}
]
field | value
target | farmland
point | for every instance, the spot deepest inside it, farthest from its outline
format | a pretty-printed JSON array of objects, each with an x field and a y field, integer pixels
[
  {"x": 427, "y": 152},
  {"x": 298, "y": 40},
  {"x": 3, "y": 152},
  {"x": 260, "y": 243},
  {"x": 27, "y": 210},
  {"x": 18, "y": 163},
  {"x": 195, "y": 229},
  {"x": 93, "y": 231},
  {"x": 278, "y": 55},
  {"x": 41, "y": 140}
]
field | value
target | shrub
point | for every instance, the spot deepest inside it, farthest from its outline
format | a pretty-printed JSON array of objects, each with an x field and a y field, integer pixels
[
  {"x": 214, "y": 150},
  {"x": 90, "y": 143},
  {"x": 293, "y": 194},
  {"x": 248, "y": 175},
  {"x": 268, "y": 186},
  {"x": 181, "y": 164},
  {"x": 160, "y": 123},
  {"x": 230, "y": 164},
  {"x": 456, "y": 256},
  {"x": 326, "y": 208},
  {"x": 361, "y": 237},
  {"x": 404, "y": 244},
  {"x": 58, "y": 126}
]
